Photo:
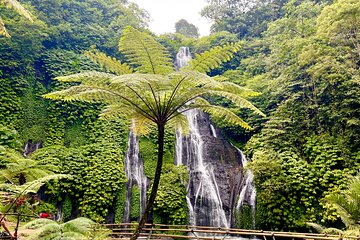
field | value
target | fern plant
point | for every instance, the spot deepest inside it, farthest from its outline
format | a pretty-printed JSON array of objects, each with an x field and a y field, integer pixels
[
  {"x": 155, "y": 95},
  {"x": 20, "y": 170},
  {"x": 14, "y": 4},
  {"x": 77, "y": 229},
  {"x": 347, "y": 206}
]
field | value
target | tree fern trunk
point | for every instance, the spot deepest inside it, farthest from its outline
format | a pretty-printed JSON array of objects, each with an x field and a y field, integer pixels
[{"x": 150, "y": 203}]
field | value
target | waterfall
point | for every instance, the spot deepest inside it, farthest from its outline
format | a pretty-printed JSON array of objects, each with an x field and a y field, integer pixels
[
  {"x": 247, "y": 191},
  {"x": 207, "y": 195},
  {"x": 217, "y": 186},
  {"x": 134, "y": 170},
  {"x": 31, "y": 147},
  {"x": 203, "y": 179},
  {"x": 213, "y": 132},
  {"x": 182, "y": 58}
]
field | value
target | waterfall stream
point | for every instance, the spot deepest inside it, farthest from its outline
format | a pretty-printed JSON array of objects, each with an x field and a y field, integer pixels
[
  {"x": 205, "y": 198},
  {"x": 207, "y": 191},
  {"x": 134, "y": 170}
]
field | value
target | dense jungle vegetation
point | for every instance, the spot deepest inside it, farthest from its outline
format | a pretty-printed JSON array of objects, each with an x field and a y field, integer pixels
[{"x": 302, "y": 56}]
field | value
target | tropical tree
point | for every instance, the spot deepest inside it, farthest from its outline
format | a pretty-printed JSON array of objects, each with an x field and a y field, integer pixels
[
  {"x": 79, "y": 228},
  {"x": 154, "y": 96},
  {"x": 18, "y": 8},
  {"x": 188, "y": 29}
]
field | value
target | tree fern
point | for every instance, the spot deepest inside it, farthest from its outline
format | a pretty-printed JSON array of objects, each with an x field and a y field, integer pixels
[
  {"x": 143, "y": 52},
  {"x": 30, "y": 187},
  {"x": 107, "y": 63},
  {"x": 214, "y": 57},
  {"x": 24, "y": 168}
]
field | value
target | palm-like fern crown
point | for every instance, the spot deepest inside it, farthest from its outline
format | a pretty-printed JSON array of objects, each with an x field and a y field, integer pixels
[
  {"x": 28, "y": 168},
  {"x": 155, "y": 94}
]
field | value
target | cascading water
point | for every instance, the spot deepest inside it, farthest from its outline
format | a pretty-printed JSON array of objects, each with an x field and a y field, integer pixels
[
  {"x": 207, "y": 191},
  {"x": 217, "y": 187},
  {"x": 134, "y": 170},
  {"x": 182, "y": 58},
  {"x": 248, "y": 191},
  {"x": 31, "y": 147}
]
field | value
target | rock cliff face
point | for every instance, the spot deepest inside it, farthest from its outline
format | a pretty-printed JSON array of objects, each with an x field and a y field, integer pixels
[{"x": 215, "y": 172}]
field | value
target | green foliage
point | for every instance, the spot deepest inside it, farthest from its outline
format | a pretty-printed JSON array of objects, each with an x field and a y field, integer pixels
[
  {"x": 44, "y": 207},
  {"x": 79, "y": 228},
  {"x": 120, "y": 204},
  {"x": 246, "y": 19},
  {"x": 135, "y": 203},
  {"x": 170, "y": 203},
  {"x": 290, "y": 187},
  {"x": 9, "y": 102},
  {"x": 145, "y": 54},
  {"x": 307, "y": 146},
  {"x": 94, "y": 184},
  {"x": 33, "y": 117},
  {"x": 214, "y": 57},
  {"x": 244, "y": 219},
  {"x": 148, "y": 151},
  {"x": 346, "y": 203},
  {"x": 19, "y": 170},
  {"x": 187, "y": 29},
  {"x": 57, "y": 62},
  {"x": 76, "y": 25},
  {"x": 14, "y": 4},
  {"x": 66, "y": 209},
  {"x": 9, "y": 138}
]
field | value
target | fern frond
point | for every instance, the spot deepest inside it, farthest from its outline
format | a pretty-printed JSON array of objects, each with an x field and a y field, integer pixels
[
  {"x": 332, "y": 231},
  {"x": 19, "y": 9},
  {"x": 33, "y": 186},
  {"x": 225, "y": 114},
  {"x": 236, "y": 89},
  {"x": 319, "y": 228},
  {"x": 218, "y": 112},
  {"x": 107, "y": 63},
  {"x": 238, "y": 101},
  {"x": 37, "y": 223},
  {"x": 86, "y": 94},
  {"x": 146, "y": 54},
  {"x": 213, "y": 58},
  {"x": 179, "y": 123},
  {"x": 79, "y": 225},
  {"x": 355, "y": 231},
  {"x": 45, "y": 230},
  {"x": 117, "y": 111},
  {"x": 142, "y": 125},
  {"x": 3, "y": 30},
  {"x": 89, "y": 76},
  {"x": 135, "y": 79}
]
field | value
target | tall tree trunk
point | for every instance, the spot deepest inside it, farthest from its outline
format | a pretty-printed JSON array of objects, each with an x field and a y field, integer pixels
[{"x": 150, "y": 203}]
